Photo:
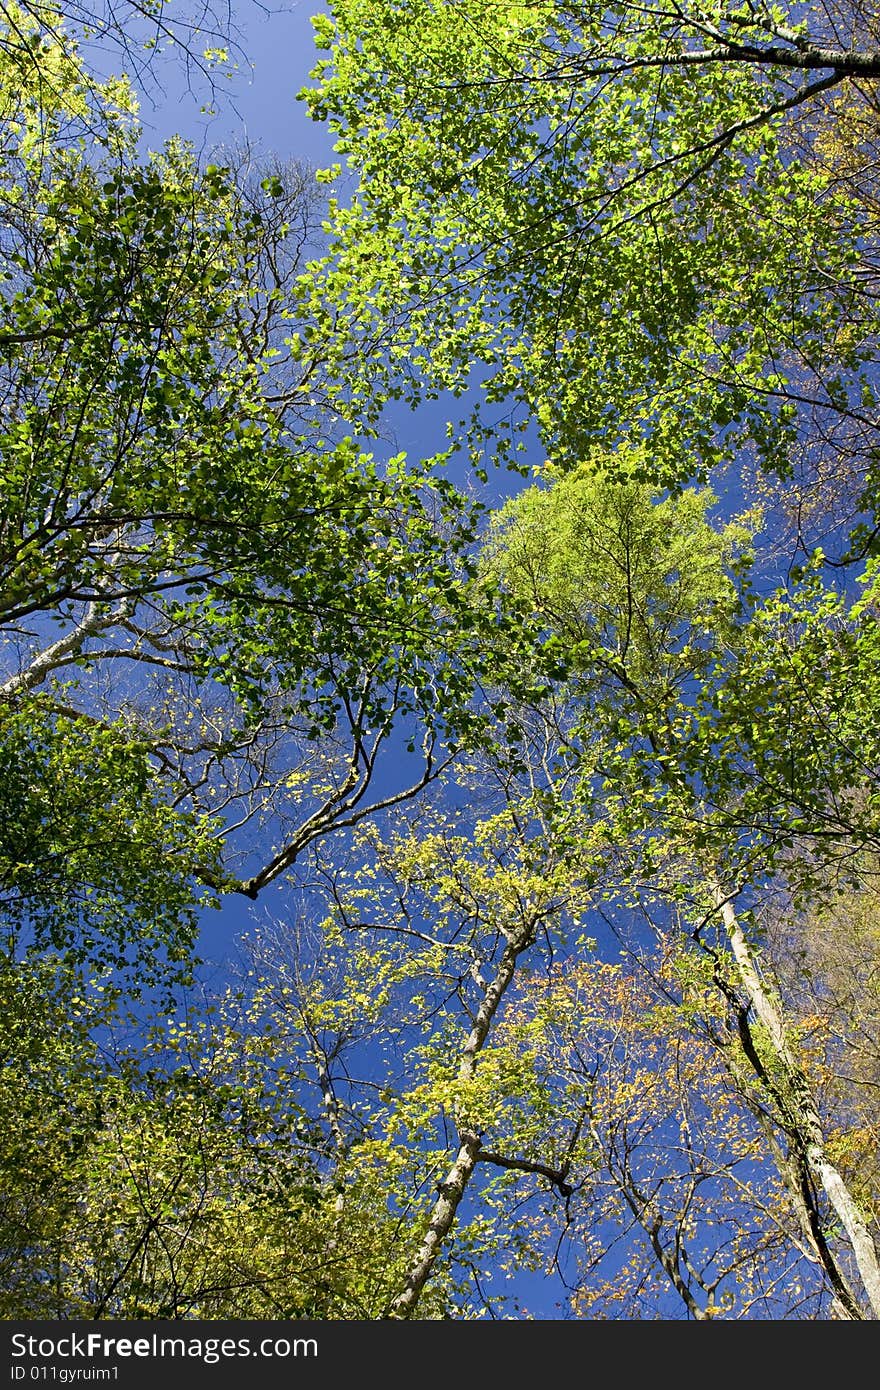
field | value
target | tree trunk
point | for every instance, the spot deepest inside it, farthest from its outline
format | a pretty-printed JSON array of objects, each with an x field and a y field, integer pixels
[{"x": 804, "y": 1114}]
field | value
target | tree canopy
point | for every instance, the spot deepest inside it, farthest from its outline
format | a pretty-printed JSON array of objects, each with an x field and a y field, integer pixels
[
  {"x": 628, "y": 222},
  {"x": 561, "y": 813}
]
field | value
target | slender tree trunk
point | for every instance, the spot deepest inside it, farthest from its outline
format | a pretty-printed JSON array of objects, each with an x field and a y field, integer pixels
[
  {"x": 804, "y": 1112},
  {"x": 453, "y": 1186}
]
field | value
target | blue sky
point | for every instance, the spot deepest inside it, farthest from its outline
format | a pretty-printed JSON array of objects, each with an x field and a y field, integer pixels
[{"x": 261, "y": 103}]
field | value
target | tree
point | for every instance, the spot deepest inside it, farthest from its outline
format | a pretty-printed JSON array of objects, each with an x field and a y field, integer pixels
[
  {"x": 221, "y": 615},
  {"x": 674, "y": 1197},
  {"x": 613, "y": 1125},
  {"x": 201, "y": 575},
  {"x": 625, "y": 222},
  {"x": 428, "y": 937},
  {"x": 826, "y": 961},
  {"x": 217, "y": 613},
  {"x": 676, "y": 1110},
  {"x": 163, "y": 1172},
  {"x": 139, "y": 37},
  {"x": 656, "y": 652},
  {"x": 92, "y": 864}
]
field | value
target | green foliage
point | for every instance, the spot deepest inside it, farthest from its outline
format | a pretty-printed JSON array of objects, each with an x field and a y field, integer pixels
[
  {"x": 209, "y": 582},
  {"x": 217, "y": 609},
  {"x": 754, "y": 721},
  {"x": 221, "y": 612},
  {"x": 718, "y": 743},
  {"x": 623, "y": 578},
  {"x": 50, "y": 1107},
  {"x": 611, "y": 217},
  {"x": 93, "y": 867},
  {"x": 172, "y": 1182},
  {"x": 792, "y": 732}
]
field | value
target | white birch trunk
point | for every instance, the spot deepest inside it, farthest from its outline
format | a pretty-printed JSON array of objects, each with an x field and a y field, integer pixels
[{"x": 806, "y": 1113}]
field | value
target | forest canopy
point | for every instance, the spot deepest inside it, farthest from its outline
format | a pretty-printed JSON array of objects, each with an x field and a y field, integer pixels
[{"x": 548, "y": 757}]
